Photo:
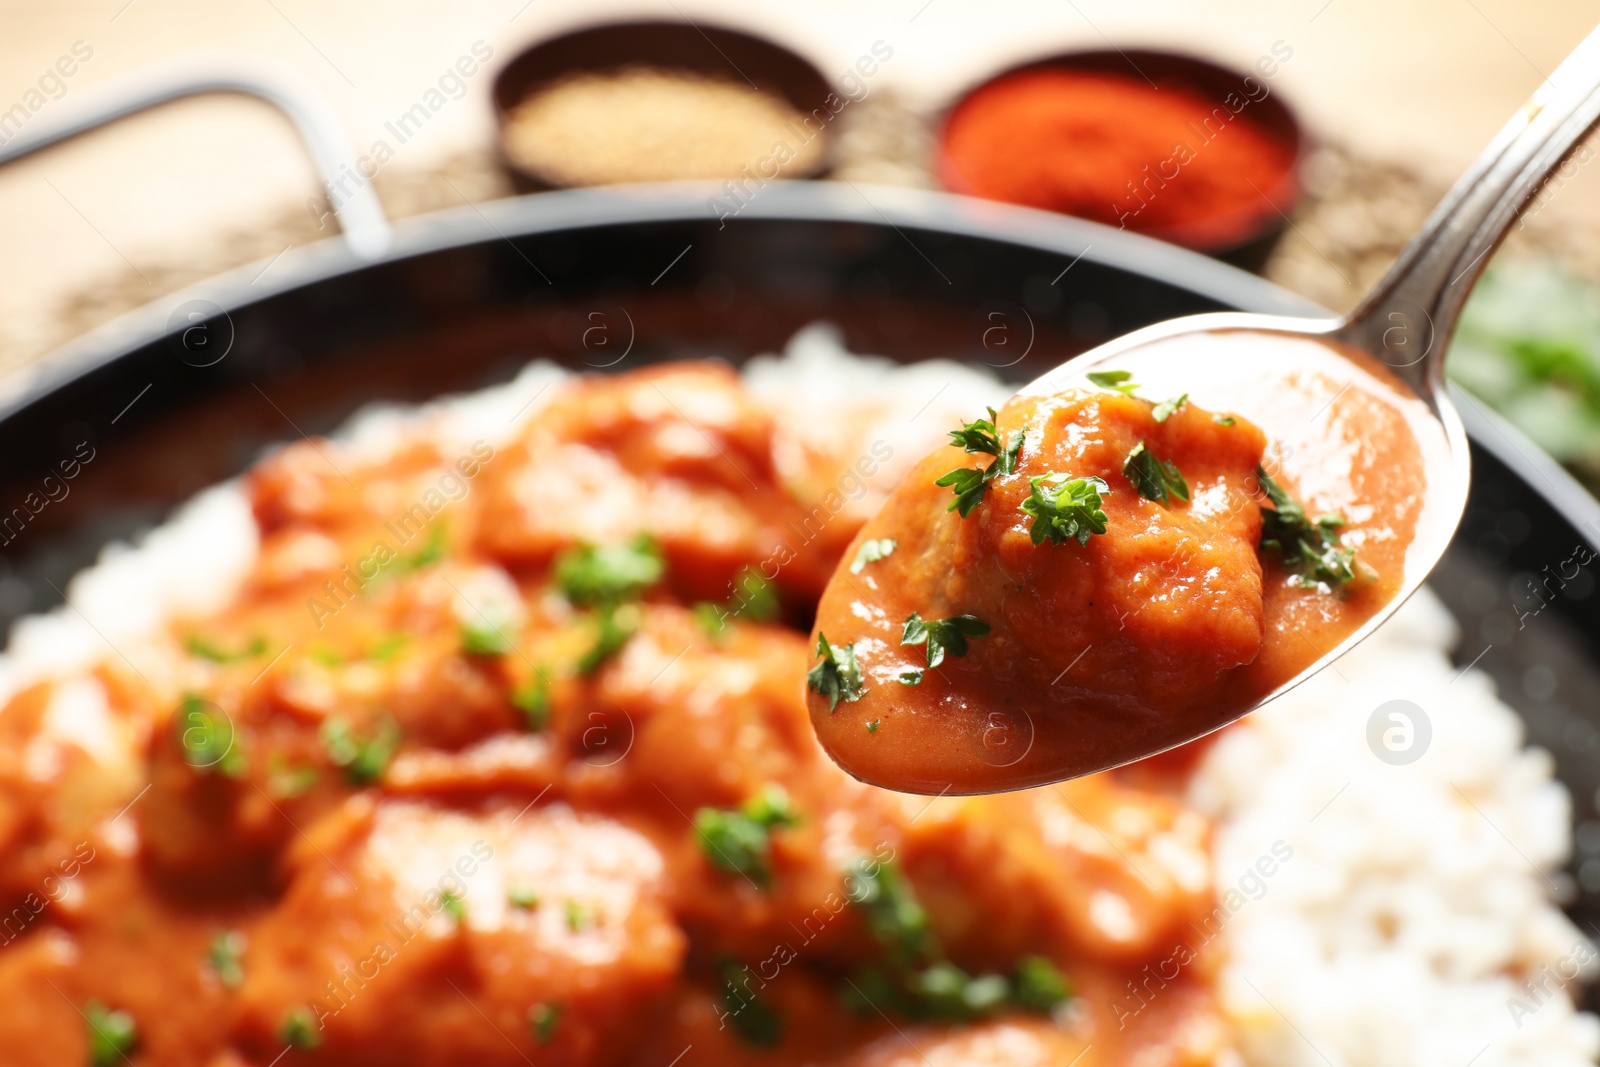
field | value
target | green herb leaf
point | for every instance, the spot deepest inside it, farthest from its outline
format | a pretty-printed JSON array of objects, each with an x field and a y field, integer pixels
[
  {"x": 431, "y": 550},
  {"x": 428, "y": 553},
  {"x": 483, "y": 638},
  {"x": 942, "y": 635},
  {"x": 388, "y": 648},
  {"x": 112, "y": 1034},
  {"x": 1065, "y": 509},
  {"x": 452, "y": 905},
  {"x": 1222, "y": 420},
  {"x": 285, "y": 782},
  {"x": 579, "y": 918},
  {"x": 542, "y": 1020},
  {"x": 523, "y": 898},
  {"x": 324, "y": 655},
  {"x": 978, "y": 436},
  {"x": 739, "y": 842},
  {"x": 1167, "y": 408},
  {"x": 837, "y": 677},
  {"x": 947, "y": 993},
  {"x": 894, "y": 917},
  {"x": 712, "y": 618},
  {"x": 969, "y": 483},
  {"x": 616, "y": 626},
  {"x": 202, "y": 648},
  {"x": 300, "y": 1029},
  {"x": 1309, "y": 548},
  {"x": 364, "y": 759},
  {"x": 1039, "y": 986},
  {"x": 1155, "y": 479},
  {"x": 872, "y": 727},
  {"x": 910, "y": 678},
  {"x": 752, "y": 1019},
  {"x": 532, "y": 698},
  {"x": 207, "y": 739},
  {"x": 873, "y": 551},
  {"x": 225, "y": 958},
  {"x": 1117, "y": 380},
  {"x": 915, "y": 978},
  {"x": 591, "y": 575},
  {"x": 752, "y": 597}
]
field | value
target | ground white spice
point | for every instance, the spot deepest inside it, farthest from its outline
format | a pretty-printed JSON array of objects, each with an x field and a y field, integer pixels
[{"x": 652, "y": 124}]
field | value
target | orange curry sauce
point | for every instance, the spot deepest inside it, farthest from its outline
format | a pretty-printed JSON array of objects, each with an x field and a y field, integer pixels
[
  {"x": 1074, "y": 654},
  {"x": 439, "y": 787}
]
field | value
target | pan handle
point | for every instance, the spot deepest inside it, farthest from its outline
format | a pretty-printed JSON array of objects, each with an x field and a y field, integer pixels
[{"x": 366, "y": 230}]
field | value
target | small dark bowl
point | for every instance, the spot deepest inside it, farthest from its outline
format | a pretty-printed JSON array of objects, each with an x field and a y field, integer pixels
[
  {"x": 1243, "y": 236},
  {"x": 703, "y": 49}
]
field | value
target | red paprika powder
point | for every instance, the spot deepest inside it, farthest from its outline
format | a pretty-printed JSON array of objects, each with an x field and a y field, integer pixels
[{"x": 1116, "y": 150}]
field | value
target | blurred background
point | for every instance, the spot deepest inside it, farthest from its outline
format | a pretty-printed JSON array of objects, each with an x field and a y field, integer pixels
[{"x": 1371, "y": 107}]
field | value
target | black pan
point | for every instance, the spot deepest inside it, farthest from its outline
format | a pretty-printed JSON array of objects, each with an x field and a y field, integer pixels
[{"x": 189, "y": 391}]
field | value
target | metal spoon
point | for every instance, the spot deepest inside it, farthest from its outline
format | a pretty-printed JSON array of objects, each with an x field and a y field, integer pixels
[{"x": 1404, "y": 324}]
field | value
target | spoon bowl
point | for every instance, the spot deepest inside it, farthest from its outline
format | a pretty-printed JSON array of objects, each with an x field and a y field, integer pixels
[
  {"x": 1196, "y": 610},
  {"x": 1391, "y": 349},
  {"x": 1341, "y": 421}
]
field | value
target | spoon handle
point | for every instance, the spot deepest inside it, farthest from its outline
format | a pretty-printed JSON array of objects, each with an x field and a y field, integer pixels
[{"x": 1407, "y": 320}]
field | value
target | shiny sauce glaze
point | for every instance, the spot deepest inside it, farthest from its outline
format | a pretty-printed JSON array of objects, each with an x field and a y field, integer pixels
[
  {"x": 501, "y": 756},
  {"x": 967, "y": 654}
]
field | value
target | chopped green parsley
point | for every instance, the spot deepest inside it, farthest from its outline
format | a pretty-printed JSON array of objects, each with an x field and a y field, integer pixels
[
  {"x": 484, "y": 638},
  {"x": 753, "y": 1020},
  {"x": 1309, "y": 547},
  {"x": 1040, "y": 986},
  {"x": 969, "y": 483},
  {"x": 752, "y": 597},
  {"x": 837, "y": 677},
  {"x": 532, "y": 698},
  {"x": 285, "y": 782},
  {"x": 591, "y": 575},
  {"x": 225, "y": 958},
  {"x": 299, "y": 1028},
  {"x": 579, "y": 918},
  {"x": 1065, "y": 509},
  {"x": 739, "y": 842},
  {"x": 542, "y": 1020},
  {"x": 388, "y": 648},
  {"x": 364, "y": 759},
  {"x": 207, "y": 738},
  {"x": 112, "y": 1034},
  {"x": 202, "y": 648},
  {"x": 1116, "y": 380},
  {"x": 916, "y": 979},
  {"x": 942, "y": 635},
  {"x": 615, "y": 626},
  {"x": 1155, "y": 479},
  {"x": 1167, "y": 408},
  {"x": 894, "y": 917}
]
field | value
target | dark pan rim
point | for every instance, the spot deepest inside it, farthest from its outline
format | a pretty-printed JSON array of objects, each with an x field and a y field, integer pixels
[
  {"x": 822, "y": 202},
  {"x": 573, "y": 209}
]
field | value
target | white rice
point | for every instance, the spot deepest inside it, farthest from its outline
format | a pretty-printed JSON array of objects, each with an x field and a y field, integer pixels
[
  {"x": 1417, "y": 901},
  {"x": 1413, "y": 923}
]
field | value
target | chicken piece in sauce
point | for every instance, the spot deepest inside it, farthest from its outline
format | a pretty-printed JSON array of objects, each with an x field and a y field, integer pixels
[{"x": 462, "y": 775}]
